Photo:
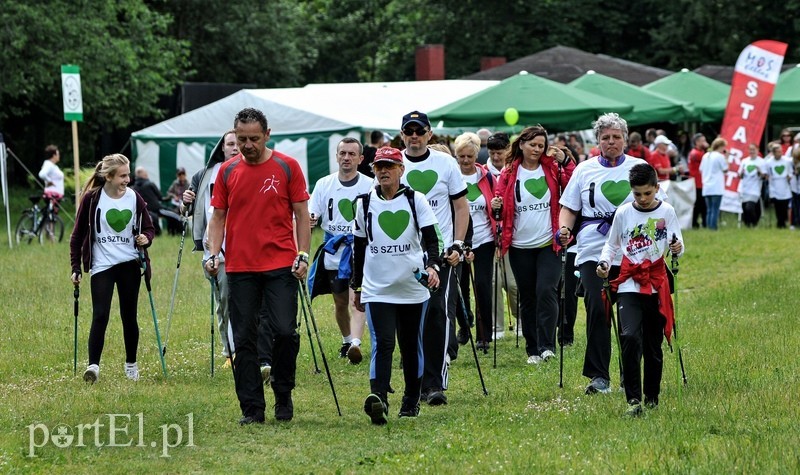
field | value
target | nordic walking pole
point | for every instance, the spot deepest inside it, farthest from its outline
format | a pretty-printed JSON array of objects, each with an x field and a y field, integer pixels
[
  {"x": 562, "y": 315},
  {"x": 613, "y": 322},
  {"x": 310, "y": 339},
  {"x": 76, "y": 292},
  {"x": 307, "y": 300},
  {"x": 496, "y": 282},
  {"x": 675, "y": 269},
  {"x": 184, "y": 219},
  {"x": 453, "y": 273},
  {"x": 478, "y": 319},
  {"x": 152, "y": 303},
  {"x": 212, "y": 329}
]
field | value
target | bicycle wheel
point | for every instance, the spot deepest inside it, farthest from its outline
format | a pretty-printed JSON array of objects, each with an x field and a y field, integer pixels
[
  {"x": 25, "y": 228},
  {"x": 52, "y": 230}
]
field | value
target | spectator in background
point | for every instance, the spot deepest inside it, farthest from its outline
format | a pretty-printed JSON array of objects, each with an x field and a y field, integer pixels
[
  {"x": 175, "y": 196},
  {"x": 483, "y": 153},
  {"x": 51, "y": 175},
  {"x": 795, "y": 185},
  {"x": 636, "y": 148},
  {"x": 684, "y": 145},
  {"x": 376, "y": 141},
  {"x": 151, "y": 194},
  {"x": 786, "y": 142},
  {"x": 695, "y": 158},
  {"x": 713, "y": 168},
  {"x": 659, "y": 158},
  {"x": 649, "y": 138},
  {"x": 780, "y": 170}
]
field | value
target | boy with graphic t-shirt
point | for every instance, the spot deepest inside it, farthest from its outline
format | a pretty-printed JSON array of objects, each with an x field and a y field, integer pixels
[
  {"x": 332, "y": 206},
  {"x": 643, "y": 233},
  {"x": 391, "y": 221}
]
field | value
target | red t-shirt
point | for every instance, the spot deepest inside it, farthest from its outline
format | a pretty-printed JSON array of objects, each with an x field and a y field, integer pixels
[
  {"x": 640, "y": 152},
  {"x": 259, "y": 234},
  {"x": 695, "y": 157},
  {"x": 660, "y": 160}
]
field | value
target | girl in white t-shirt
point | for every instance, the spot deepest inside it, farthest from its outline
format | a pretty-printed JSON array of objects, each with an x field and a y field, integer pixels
[{"x": 111, "y": 233}]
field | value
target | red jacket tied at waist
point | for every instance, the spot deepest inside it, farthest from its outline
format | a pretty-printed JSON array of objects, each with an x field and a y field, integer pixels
[{"x": 647, "y": 274}]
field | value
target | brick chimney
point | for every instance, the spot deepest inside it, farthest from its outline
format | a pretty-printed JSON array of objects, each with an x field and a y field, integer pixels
[
  {"x": 430, "y": 62},
  {"x": 489, "y": 62}
]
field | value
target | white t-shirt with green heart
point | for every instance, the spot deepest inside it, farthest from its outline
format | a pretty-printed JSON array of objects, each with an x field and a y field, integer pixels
[
  {"x": 393, "y": 248},
  {"x": 780, "y": 170},
  {"x": 532, "y": 222},
  {"x": 333, "y": 204},
  {"x": 113, "y": 239},
  {"x": 596, "y": 191},
  {"x": 482, "y": 231},
  {"x": 750, "y": 186},
  {"x": 437, "y": 177}
]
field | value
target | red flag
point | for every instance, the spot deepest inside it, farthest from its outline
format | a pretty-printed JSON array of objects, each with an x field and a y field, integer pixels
[{"x": 754, "y": 78}]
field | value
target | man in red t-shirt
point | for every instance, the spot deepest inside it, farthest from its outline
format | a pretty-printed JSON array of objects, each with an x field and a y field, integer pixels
[
  {"x": 695, "y": 157},
  {"x": 256, "y": 196},
  {"x": 635, "y": 147},
  {"x": 659, "y": 158}
]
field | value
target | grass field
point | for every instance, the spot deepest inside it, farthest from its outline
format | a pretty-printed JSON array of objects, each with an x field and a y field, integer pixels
[{"x": 737, "y": 315}]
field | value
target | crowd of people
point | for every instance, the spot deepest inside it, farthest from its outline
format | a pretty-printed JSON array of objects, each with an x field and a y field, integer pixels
[{"x": 412, "y": 231}]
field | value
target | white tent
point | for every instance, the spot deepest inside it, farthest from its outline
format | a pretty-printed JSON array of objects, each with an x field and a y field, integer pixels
[{"x": 307, "y": 123}]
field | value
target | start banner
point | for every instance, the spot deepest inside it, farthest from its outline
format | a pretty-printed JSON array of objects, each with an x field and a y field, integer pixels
[{"x": 754, "y": 78}]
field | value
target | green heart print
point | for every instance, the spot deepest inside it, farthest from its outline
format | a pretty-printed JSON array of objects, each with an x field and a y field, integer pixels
[
  {"x": 393, "y": 224},
  {"x": 473, "y": 192},
  {"x": 750, "y": 168},
  {"x": 537, "y": 187},
  {"x": 779, "y": 169},
  {"x": 346, "y": 209},
  {"x": 118, "y": 219},
  {"x": 422, "y": 181},
  {"x": 616, "y": 191}
]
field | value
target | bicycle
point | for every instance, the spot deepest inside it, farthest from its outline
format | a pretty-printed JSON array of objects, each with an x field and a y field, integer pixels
[{"x": 42, "y": 223}]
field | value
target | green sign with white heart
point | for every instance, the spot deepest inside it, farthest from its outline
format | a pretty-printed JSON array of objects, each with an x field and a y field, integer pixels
[
  {"x": 750, "y": 168},
  {"x": 537, "y": 187},
  {"x": 616, "y": 191},
  {"x": 779, "y": 169},
  {"x": 422, "y": 181},
  {"x": 118, "y": 219},
  {"x": 346, "y": 209},
  {"x": 473, "y": 192},
  {"x": 393, "y": 224}
]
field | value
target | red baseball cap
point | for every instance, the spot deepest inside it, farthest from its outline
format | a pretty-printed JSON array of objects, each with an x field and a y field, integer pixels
[{"x": 388, "y": 155}]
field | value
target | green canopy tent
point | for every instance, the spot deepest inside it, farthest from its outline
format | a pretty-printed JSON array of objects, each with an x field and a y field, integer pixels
[
  {"x": 538, "y": 100},
  {"x": 710, "y": 97},
  {"x": 785, "y": 104},
  {"x": 648, "y": 107}
]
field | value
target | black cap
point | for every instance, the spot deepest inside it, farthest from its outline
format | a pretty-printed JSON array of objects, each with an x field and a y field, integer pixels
[{"x": 416, "y": 117}]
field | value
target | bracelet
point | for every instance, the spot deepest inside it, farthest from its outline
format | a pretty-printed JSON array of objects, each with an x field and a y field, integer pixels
[{"x": 302, "y": 257}]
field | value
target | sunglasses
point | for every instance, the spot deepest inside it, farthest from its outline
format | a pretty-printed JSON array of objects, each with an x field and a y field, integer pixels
[
  {"x": 409, "y": 131},
  {"x": 384, "y": 166}
]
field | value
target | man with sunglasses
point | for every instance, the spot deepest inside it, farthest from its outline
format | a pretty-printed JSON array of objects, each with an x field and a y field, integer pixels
[{"x": 437, "y": 176}]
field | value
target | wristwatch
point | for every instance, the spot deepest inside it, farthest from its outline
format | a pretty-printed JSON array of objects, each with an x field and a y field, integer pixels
[{"x": 434, "y": 267}]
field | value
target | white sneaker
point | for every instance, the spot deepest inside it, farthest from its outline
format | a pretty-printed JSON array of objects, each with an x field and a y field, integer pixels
[
  {"x": 92, "y": 373},
  {"x": 132, "y": 371},
  {"x": 534, "y": 359},
  {"x": 548, "y": 355},
  {"x": 499, "y": 335}
]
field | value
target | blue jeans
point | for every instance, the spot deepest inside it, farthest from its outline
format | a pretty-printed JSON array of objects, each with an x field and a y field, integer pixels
[{"x": 712, "y": 210}]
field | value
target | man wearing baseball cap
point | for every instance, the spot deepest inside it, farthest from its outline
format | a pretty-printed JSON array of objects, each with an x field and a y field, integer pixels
[
  {"x": 437, "y": 176},
  {"x": 391, "y": 223},
  {"x": 659, "y": 158}
]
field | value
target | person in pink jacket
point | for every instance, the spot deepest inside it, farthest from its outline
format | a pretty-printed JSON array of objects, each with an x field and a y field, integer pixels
[{"x": 527, "y": 194}]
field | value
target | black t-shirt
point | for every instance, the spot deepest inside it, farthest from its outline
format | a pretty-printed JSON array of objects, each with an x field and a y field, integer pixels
[{"x": 365, "y": 166}]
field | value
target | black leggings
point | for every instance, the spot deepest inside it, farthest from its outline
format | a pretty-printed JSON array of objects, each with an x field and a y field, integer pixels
[
  {"x": 127, "y": 278},
  {"x": 537, "y": 272},
  {"x": 385, "y": 321}
]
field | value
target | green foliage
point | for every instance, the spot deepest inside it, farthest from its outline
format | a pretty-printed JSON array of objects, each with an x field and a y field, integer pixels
[
  {"x": 113, "y": 42},
  {"x": 738, "y": 413}
]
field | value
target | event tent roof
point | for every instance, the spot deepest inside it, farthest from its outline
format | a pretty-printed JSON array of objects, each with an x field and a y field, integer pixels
[
  {"x": 538, "y": 100},
  {"x": 648, "y": 106},
  {"x": 563, "y": 64},
  {"x": 708, "y": 95},
  {"x": 786, "y": 98}
]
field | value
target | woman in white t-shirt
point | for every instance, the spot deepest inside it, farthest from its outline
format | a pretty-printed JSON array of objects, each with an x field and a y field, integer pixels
[
  {"x": 781, "y": 172},
  {"x": 112, "y": 232},
  {"x": 480, "y": 190},
  {"x": 391, "y": 223},
  {"x": 713, "y": 168},
  {"x": 527, "y": 193}
]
